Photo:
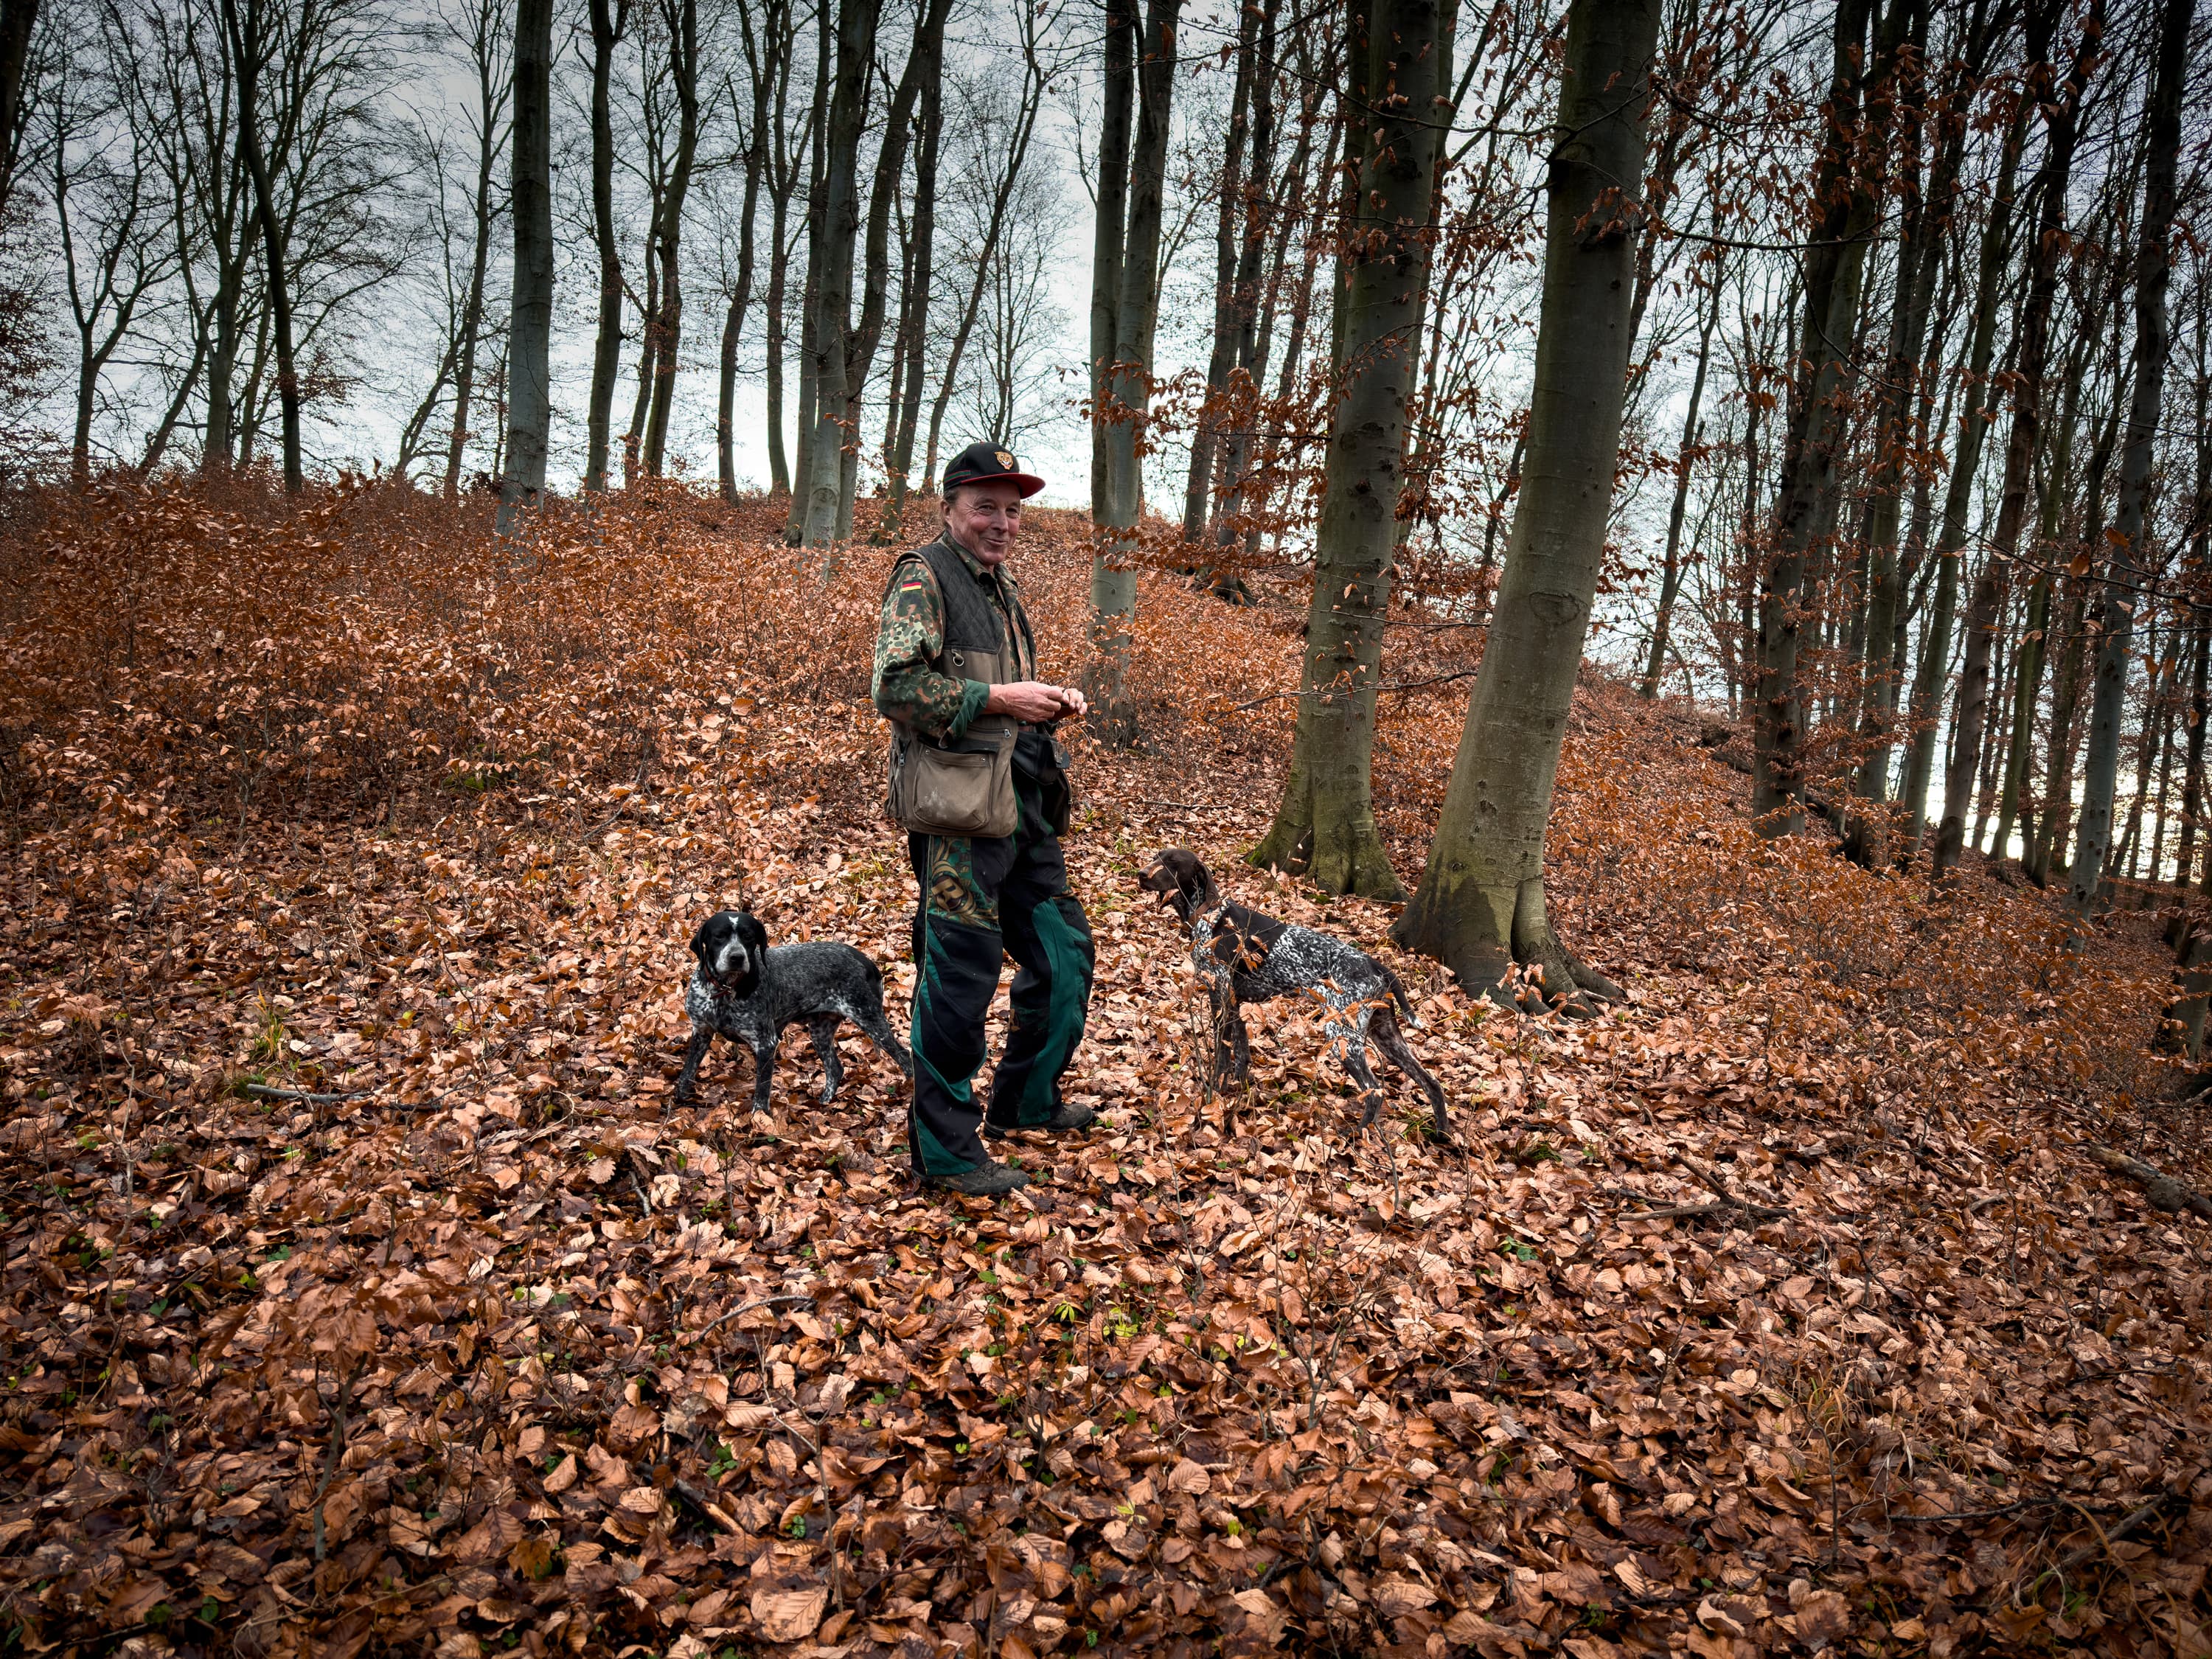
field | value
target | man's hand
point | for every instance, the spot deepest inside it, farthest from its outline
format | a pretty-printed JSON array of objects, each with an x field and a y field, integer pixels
[{"x": 1034, "y": 702}]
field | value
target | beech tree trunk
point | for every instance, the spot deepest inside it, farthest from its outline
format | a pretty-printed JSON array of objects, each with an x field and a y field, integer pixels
[
  {"x": 925, "y": 68},
  {"x": 802, "y": 470},
  {"x": 1120, "y": 409},
  {"x": 529, "y": 378},
  {"x": 1325, "y": 827},
  {"x": 1927, "y": 225},
  {"x": 1198, "y": 479},
  {"x": 1670, "y": 567},
  {"x": 764, "y": 75},
  {"x": 609, "y": 22},
  {"x": 18, "y": 19},
  {"x": 1935, "y": 662},
  {"x": 1834, "y": 264},
  {"x": 681, "y": 19},
  {"x": 1109, "y": 225},
  {"x": 491, "y": 100},
  {"x": 907, "y": 347},
  {"x": 2061, "y": 111},
  {"x": 839, "y": 221},
  {"x": 248, "y": 49},
  {"x": 1480, "y": 906},
  {"x": 2153, "y": 271}
]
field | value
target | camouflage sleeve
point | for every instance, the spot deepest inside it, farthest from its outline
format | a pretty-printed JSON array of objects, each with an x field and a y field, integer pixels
[{"x": 910, "y": 633}]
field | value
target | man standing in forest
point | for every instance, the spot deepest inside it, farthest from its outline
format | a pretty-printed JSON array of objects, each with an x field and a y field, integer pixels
[{"x": 979, "y": 783}]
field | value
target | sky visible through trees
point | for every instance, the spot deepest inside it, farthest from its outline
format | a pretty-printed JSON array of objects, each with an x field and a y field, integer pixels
[{"x": 1898, "y": 511}]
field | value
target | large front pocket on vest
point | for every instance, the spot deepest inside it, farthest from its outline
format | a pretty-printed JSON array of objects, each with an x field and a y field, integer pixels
[{"x": 958, "y": 794}]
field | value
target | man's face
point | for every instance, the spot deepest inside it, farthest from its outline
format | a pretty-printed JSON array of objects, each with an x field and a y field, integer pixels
[{"x": 984, "y": 517}]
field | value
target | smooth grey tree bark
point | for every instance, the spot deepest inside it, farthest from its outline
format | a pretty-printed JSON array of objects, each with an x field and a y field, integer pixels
[
  {"x": 250, "y": 50},
  {"x": 908, "y": 342},
  {"x": 2061, "y": 105},
  {"x": 839, "y": 230},
  {"x": 1479, "y": 909},
  {"x": 610, "y": 22},
  {"x": 1198, "y": 480},
  {"x": 763, "y": 71},
  {"x": 1951, "y": 534},
  {"x": 1845, "y": 212},
  {"x": 1670, "y": 564},
  {"x": 925, "y": 68},
  {"x": 681, "y": 19},
  {"x": 2154, "y": 273},
  {"x": 1125, "y": 397},
  {"x": 1324, "y": 829},
  {"x": 481, "y": 30},
  {"x": 530, "y": 328},
  {"x": 1109, "y": 221}
]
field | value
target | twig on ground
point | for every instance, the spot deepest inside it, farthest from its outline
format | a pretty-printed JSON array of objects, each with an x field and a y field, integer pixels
[
  {"x": 722, "y": 1319},
  {"x": 2107, "y": 1540},
  {"x": 2163, "y": 1191},
  {"x": 265, "y": 1091}
]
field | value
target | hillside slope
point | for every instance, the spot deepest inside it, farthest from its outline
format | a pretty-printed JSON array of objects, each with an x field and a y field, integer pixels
[{"x": 362, "y": 1290}]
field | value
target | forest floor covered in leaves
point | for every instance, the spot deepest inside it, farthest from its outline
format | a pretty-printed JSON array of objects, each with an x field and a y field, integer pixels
[{"x": 1781, "y": 1308}]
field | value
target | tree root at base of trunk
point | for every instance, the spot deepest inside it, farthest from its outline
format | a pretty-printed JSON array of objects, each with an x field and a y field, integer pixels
[
  {"x": 1498, "y": 941},
  {"x": 1349, "y": 860}
]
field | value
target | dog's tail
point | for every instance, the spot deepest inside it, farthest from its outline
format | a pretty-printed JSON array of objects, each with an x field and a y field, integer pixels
[{"x": 1398, "y": 995}]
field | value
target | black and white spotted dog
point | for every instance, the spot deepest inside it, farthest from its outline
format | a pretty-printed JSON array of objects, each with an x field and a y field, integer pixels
[
  {"x": 1245, "y": 956},
  {"x": 743, "y": 991}
]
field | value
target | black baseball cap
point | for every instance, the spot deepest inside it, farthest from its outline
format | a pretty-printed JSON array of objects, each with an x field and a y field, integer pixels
[{"x": 988, "y": 464}]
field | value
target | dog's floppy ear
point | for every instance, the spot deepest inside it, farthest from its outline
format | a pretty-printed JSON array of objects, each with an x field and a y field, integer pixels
[
  {"x": 1184, "y": 865},
  {"x": 699, "y": 940}
]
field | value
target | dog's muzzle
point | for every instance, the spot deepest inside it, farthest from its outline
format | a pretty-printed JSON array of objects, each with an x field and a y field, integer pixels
[{"x": 732, "y": 963}]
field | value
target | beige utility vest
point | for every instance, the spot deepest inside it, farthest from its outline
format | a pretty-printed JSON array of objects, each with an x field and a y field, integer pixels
[{"x": 964, "y": 786}]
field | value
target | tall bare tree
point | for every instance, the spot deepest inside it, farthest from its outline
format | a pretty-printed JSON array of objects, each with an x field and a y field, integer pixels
[
  {"x": 1480, "y": 906},
  {"x": 679, "y": 20},
  {"x": 1325, "y": 827},
  {"x": 773, "y": 20},
  {"x": 480, "y": 33},
  {"x": 918, "y": 269},
  {"x": 610, "y": 22},
  {"x": 999, "y": 128},
  {"x": 530, "y": 327},
  {"x": 100, "y": 170},
  {"x": 253, "y": 46},
  {"x": 2125, "y": 581},
  {"x": 18, "y": 19},
  {"x": 1844, "y": 209},
  {"x": 837, "y": 232},
  {"x": 1231, "y": 299},
  {"x": 1123, "y": 383},
  {"x": 2061, "y": 105}
]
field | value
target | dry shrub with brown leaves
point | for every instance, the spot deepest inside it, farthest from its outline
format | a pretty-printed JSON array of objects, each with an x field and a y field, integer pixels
[{"x": 362, "y": 1291}]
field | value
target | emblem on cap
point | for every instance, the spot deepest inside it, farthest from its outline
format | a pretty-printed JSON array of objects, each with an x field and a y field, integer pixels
[{"x": 1005, "y": 459}]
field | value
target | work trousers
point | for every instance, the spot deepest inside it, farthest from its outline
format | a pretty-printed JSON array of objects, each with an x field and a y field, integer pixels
[{"x": 984, "y": 899}]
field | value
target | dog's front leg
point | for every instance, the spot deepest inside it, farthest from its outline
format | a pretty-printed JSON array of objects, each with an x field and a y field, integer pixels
[
  {"x": 1226, "y": 1021},
  {"x": 763, "y": 1072},
  {"x": 702, "y": 1037}
]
